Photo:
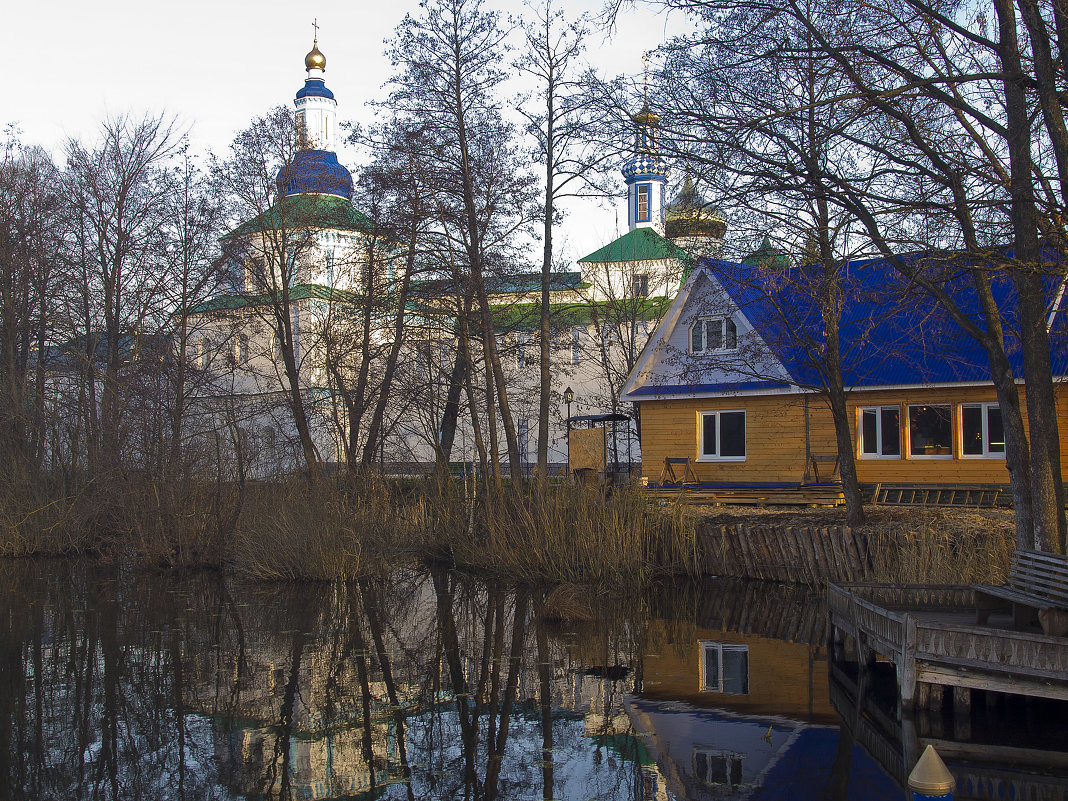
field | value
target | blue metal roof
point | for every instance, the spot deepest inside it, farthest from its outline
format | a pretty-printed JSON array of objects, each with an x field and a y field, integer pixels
[
  {"x": 315, "y": 171},
  {"x": 314, "y": 87},
  {"x": 891, "y": 332}
]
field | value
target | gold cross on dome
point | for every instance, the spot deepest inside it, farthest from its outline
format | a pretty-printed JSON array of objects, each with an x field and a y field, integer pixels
[
  {"x": 315, "y": 25},
  {"x": 645, "y": 64}
]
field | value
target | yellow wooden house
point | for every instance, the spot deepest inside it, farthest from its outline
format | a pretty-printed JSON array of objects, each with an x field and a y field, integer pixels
[{"x": 731, "y": 381}]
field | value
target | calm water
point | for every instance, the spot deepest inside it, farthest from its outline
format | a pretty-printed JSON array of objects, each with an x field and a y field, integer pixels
[{"x": 131, "y": 686}]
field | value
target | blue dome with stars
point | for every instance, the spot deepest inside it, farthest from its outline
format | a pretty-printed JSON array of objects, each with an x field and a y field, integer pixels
[{"x": 315, "y": 171}]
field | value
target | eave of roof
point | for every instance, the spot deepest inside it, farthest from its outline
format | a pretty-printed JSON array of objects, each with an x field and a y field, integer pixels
[{"x": 297, "y": 292}]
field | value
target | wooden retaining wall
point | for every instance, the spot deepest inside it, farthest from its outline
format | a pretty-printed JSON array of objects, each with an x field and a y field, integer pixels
[{"x": 798, "y": 554}]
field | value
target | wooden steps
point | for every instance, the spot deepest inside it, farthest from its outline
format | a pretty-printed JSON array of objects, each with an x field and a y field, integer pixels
[{"x": 822, "y": 495}]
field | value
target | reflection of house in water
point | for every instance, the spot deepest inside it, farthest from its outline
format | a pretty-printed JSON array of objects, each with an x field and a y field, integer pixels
[
  {"x": 756, "y": 649},
  {"x": 737, "y": 706}
]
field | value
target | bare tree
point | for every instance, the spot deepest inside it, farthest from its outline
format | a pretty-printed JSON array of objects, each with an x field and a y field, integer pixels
[
  {"x": 269, "y": 248},
  {"x": 115, "y": 189},
  {"x": 943, "y": 154},
  {"x": 31, "y": 242},
  {"x": 448, "y": 77},
  {"x": 566, "y": 123}
]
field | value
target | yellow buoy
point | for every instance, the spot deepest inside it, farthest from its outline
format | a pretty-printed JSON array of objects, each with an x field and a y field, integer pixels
[{"x": 931, "y": 776}]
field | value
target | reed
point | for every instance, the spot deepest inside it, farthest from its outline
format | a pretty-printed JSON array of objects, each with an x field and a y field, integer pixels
[
  {"x": 569, "y": 533},
  {"x": 932, "y": 554}
]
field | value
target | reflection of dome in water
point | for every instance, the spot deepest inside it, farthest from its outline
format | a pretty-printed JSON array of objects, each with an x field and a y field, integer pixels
[{"x": 690, "y": 215}]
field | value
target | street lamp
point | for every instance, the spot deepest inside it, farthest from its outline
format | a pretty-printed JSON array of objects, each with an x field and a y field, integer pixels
[{"x": 569, "y": 395}]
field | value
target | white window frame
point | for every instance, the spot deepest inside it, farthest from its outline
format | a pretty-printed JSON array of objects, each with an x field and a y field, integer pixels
[
  {"x": 639, "y": 284},
  {"x": 522, "y": 339},
  {"x": 878, "y": 431},
  {"x": 984, "y": 407},
  {"x": 707, "y": 457},
  {"x": 719, "y": 648},
  {"x": 577, "y": 336},
  {"x": 724, "y": 320},
  {"x": 908, "y": 428}
]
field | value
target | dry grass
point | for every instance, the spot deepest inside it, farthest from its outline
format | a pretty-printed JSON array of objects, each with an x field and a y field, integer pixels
[
  {"x": 911, "y": 545},
  {"x": 570, "y": 533}
]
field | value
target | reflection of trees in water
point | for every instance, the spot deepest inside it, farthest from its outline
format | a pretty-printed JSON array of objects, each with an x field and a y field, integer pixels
[{"x": 132, "y": 686}]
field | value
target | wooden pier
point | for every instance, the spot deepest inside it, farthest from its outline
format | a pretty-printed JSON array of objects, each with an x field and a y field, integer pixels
[
  {"x": 929, "y": 634},
  {"x": 984, "y": 771}
]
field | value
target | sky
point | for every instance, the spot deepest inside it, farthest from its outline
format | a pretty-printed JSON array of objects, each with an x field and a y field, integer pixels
[{"x": 215, "y": 65}]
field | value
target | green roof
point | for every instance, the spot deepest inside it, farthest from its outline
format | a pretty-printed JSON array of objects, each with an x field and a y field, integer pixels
[
  {"x": 307, "y": 211},
  {"x": 767, "y": 255},
  {"x": 641, "y": 244},
  {"x": 526, "y": 317},
  {"x": 296, "y": 292}
]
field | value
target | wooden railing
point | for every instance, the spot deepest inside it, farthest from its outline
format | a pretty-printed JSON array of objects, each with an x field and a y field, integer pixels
[{"x": 945, "y": 653}]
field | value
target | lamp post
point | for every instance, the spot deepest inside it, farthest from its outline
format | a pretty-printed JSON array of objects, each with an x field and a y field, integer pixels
[{"x": 569, "y": 395}]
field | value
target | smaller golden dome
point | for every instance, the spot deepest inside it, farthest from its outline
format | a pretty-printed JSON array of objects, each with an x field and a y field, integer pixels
[
  {"x": 646, "y": 116},
  {"x": 315, "y": 60}
]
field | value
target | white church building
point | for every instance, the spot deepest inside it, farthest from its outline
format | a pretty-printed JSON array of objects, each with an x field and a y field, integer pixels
[{"x": 299, "y": 279}]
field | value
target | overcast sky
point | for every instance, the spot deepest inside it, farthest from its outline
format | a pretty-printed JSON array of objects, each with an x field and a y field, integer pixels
[{"x": 65, "y": 65}]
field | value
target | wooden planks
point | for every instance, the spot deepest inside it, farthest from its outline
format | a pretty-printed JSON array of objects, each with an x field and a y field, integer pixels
[{"x": 801, "y": 554}]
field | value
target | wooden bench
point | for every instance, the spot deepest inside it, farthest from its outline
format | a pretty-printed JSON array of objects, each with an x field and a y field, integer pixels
[{"x": 1037, "y": 580}]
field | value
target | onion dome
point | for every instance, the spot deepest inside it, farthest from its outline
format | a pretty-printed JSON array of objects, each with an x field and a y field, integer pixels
[
  {"x": 641, "y": 164},
  {"x": 646, "y": 161},
  {"x": 315, "y": 60},
  {"x": 690, "y": 215},
  {"x": 646, "y": 116},
  {"x": 315, "y": 171}
]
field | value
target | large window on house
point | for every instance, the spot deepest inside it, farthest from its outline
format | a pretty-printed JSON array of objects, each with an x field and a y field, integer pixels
[
  {"x": 713, "y": 335},
  {"x": 722, "y": 436},
  {"x": 981, "y": 431},
  {"x": 880, "y": 432},
  {"x": 930, "y": 431},
  {"x": 724, "y": 668}
]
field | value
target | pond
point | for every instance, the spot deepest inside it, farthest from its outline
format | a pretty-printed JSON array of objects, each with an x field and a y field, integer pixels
[{"x": 120, "y": 685}]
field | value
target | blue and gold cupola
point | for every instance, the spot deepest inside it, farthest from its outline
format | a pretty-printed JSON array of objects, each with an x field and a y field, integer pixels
[
  {"x": 646, "y": 174},
  {"x": 315, "y": 168}
]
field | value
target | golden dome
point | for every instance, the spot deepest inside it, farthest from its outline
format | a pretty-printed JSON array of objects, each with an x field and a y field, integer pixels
[
  {"x": 690, "y": 215},
  {"x": 315, "y": 60},
  {"x": 646, "y": 116}
]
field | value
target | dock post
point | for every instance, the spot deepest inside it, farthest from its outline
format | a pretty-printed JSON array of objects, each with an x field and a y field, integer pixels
[
  {"x": 931, "y": 780},
  {"x": 962, "y": 713}
]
